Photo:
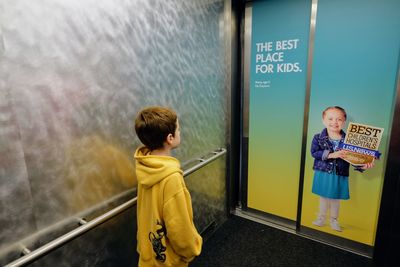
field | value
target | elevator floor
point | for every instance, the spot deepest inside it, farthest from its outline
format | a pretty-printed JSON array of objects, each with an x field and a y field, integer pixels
[{"x": 241, "y": 242}]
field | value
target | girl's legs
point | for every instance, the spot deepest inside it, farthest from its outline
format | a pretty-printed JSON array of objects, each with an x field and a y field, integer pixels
[
  {"x": 334, "y": 209},
  {"x": 323, "y": 208},
  {"x": 335, "y": 205}
]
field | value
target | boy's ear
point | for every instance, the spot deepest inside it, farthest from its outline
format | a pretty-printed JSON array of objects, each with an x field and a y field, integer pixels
[{"x": 169, "y": 138}]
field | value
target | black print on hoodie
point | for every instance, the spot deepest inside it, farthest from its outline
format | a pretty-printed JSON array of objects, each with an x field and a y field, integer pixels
[{"x": 156, "y": 241}]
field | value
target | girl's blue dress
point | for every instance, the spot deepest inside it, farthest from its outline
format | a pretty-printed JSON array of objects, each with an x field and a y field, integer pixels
[{"x": 331, "y": 185}]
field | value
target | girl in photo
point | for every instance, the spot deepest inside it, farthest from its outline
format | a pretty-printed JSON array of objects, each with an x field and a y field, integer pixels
[{"x": 331, "y": 172}]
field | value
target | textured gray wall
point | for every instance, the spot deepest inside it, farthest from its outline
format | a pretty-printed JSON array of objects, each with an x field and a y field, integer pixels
[{"x": 73, "y": 74}]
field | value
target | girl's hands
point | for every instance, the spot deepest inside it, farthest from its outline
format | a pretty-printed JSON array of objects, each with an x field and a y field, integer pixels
[
  {"x": 342, "y": 154},
  {"x": 338, "y": 154},
  {"x": 367, "y": 166}
]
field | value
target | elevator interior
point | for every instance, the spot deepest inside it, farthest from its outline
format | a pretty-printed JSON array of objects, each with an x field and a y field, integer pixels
[{"x": 73, "y": 76}]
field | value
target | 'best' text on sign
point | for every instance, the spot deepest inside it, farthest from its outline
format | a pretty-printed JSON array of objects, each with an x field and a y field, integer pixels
[{"x": 362, "y": 135}]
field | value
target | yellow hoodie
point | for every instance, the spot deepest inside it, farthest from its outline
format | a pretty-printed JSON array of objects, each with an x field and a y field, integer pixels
[{"x": 166, "y": 233}]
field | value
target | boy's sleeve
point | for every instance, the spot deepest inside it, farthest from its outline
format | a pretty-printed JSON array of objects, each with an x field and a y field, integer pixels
[{"x": 178, "y": 219}]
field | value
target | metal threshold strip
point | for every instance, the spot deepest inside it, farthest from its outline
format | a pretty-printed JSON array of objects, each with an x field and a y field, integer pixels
[{"x": 30, "y": 256}]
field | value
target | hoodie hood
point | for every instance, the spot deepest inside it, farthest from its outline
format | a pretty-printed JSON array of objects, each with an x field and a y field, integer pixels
[{"x": 151, "y": 169}]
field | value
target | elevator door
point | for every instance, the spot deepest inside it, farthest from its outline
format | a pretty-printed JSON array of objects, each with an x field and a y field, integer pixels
[
  {"x": 277, "y": 80},
  {"x": 301, "y": 57}
]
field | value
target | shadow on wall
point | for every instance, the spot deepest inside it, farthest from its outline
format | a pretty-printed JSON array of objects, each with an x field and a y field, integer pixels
[{"x": 96, "y": 171}]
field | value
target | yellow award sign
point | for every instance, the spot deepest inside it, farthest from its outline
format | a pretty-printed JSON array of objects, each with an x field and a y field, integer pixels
[{"x": 361, "y": 143}]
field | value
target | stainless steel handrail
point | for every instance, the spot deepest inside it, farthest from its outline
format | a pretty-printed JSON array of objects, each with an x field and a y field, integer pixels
[
  {"x": 30, "y": 256},
  {"x": 67, "y": 223},
  {"x": 204, "y": 161}
]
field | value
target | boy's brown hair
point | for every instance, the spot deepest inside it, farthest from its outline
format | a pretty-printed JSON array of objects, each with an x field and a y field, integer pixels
[{"x": 154, "y": 124}]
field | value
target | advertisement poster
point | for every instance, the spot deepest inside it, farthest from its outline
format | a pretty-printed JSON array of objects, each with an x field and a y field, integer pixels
[
  {"x": 278, "y": 69},
  {"x": 355, "y": 65}
]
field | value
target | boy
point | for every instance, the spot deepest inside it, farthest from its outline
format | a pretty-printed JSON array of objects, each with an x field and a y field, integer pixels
[{"x": 166, "y": 233}]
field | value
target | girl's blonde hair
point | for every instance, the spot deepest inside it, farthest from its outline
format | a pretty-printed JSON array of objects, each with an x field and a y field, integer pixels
[{"x": 335, "y": 107}]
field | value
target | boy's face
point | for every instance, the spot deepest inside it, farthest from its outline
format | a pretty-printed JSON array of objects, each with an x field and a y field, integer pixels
[
  {"x": 177, "y": 136},
  {"x": 334, "y": 120}
]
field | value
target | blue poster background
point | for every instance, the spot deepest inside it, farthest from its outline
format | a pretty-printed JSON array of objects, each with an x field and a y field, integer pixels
[{"x": 280, "y": 31}]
